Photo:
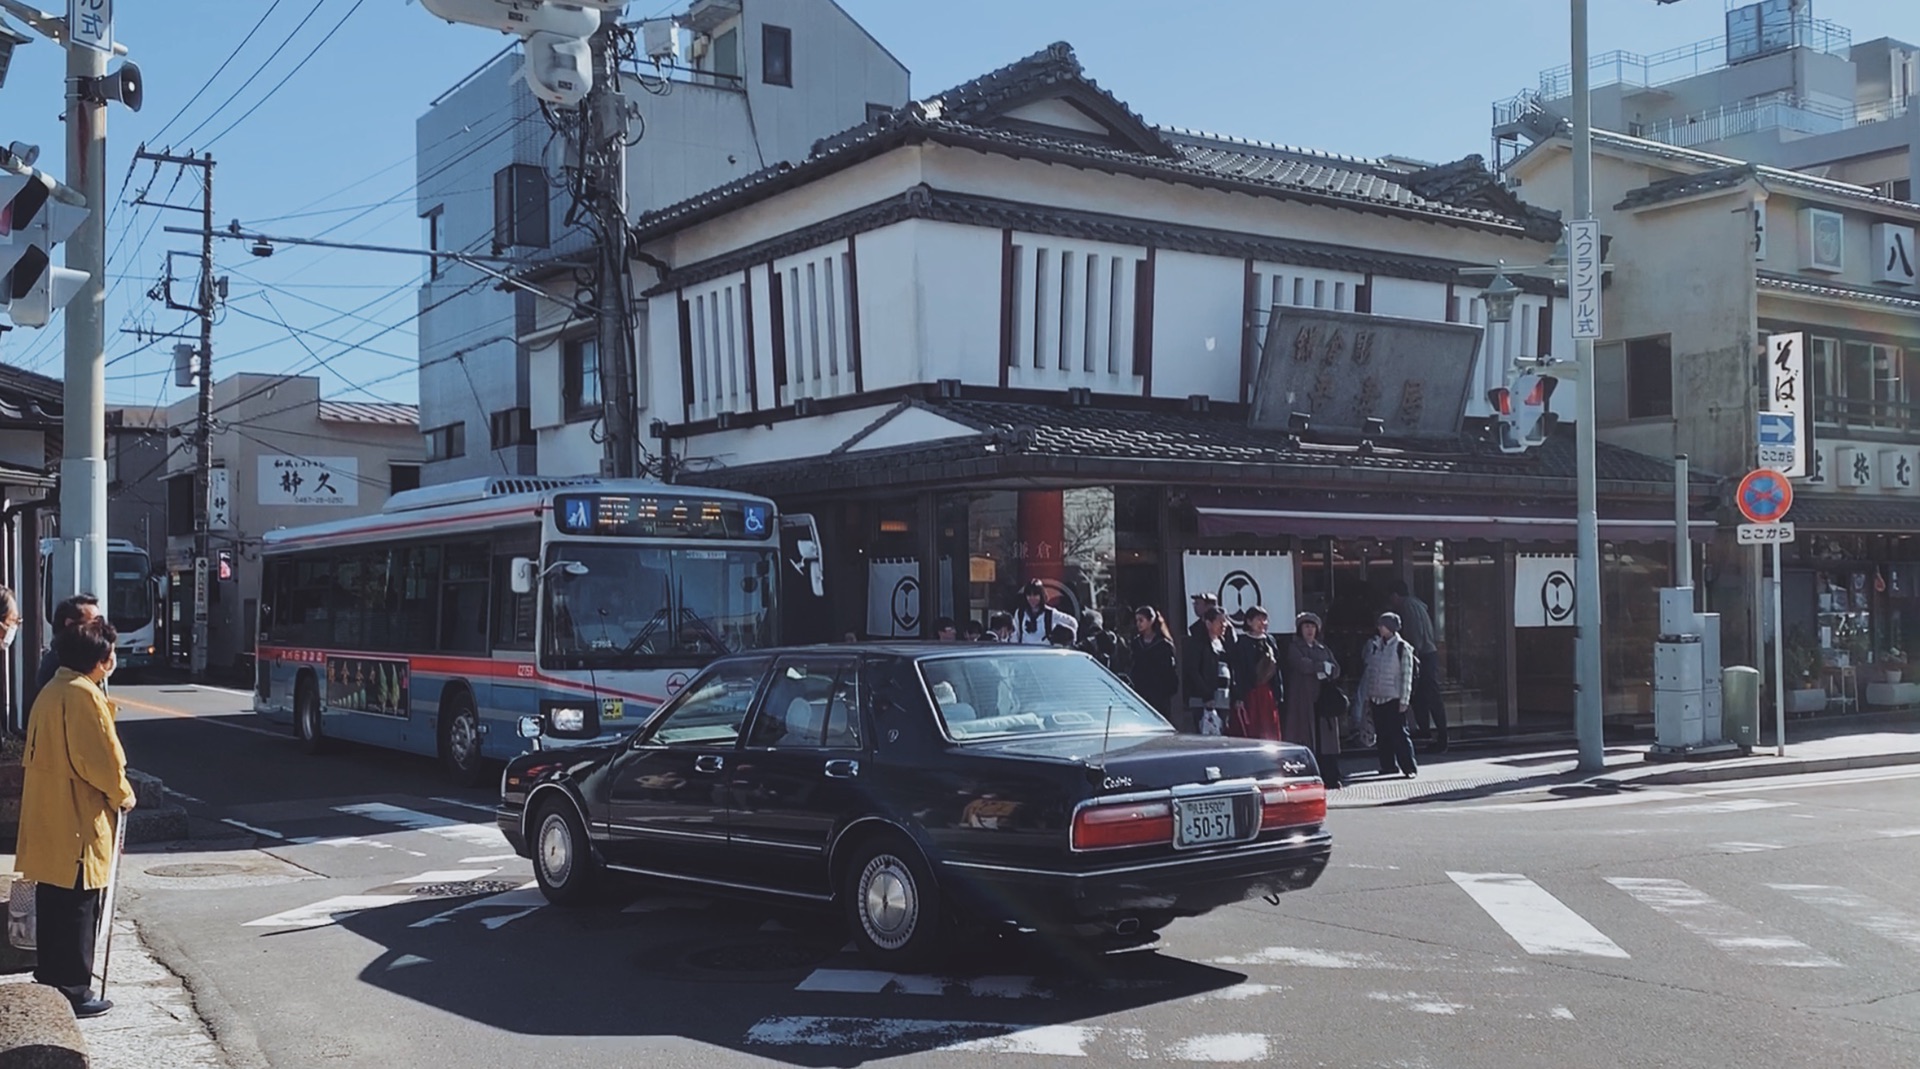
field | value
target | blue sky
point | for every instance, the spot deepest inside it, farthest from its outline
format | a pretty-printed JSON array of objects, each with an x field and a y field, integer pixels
[{"x": 330, "y": 149}]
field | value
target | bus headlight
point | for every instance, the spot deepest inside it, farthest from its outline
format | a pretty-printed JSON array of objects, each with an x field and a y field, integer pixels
[{"x": 570, "y": 719}]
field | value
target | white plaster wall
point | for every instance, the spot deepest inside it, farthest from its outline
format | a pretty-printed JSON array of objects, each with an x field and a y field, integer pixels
[
  {"x": 838, "y": 69},
  {"x": 813, "y": 436},
  {"x": 1409, "y": 298},
  {"x": 1196, "y": 325},
  {"x": 889, "y": 288}
]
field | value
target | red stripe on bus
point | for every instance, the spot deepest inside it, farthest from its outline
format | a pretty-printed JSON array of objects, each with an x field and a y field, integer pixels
[{"x": 483, "y": 667}]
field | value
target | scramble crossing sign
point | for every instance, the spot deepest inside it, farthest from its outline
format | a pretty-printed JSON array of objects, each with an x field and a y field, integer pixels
[{"x": 1764, "y": 496}]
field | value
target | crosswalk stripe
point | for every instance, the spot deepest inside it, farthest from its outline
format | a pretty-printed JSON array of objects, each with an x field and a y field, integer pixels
[
  {"x": 1539, "y": 922},
  {"x": 447, "y": 876},
  {"x": 980, "y": 1037},
  {"x": 414, "y": 820},
  {"x": 874, "y": 982},
  {"x": 1731, "y": 805},
  {"x": 1729, "y": 929},
  {"x": 1876, "y": 917},
  {"x": 1748, "y": 848},
  {"x": 327, "y": 911}
]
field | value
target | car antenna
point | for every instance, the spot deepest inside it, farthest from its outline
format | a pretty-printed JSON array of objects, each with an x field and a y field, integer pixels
[{"x": 1105, "y": 735}]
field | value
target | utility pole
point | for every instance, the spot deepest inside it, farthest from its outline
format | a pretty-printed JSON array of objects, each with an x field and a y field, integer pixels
[
  {"x": 205, "y": 303},
  {"x": 604, "y": 156},
  {"x": 83, "y": 448},
  {"x": 1588, "y": 675}
]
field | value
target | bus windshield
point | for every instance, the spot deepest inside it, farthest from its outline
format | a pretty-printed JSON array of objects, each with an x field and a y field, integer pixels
[
  {"x": 649, "y": 605},
  {"x": 129, "y": 592}
]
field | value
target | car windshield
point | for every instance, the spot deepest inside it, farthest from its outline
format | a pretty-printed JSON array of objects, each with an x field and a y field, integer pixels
[
  {"x": 982, "y": 697},
  {"x": 653, "y": 605}
]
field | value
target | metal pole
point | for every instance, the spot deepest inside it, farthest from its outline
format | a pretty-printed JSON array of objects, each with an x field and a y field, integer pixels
[
  {"x": 203, "y": 429},
  {"x": 1779, "y": 665},
  {"x": 1682, "y": 548},
  {"x": 1588, "y": 680},
  {"x": 82, "y": 564}
]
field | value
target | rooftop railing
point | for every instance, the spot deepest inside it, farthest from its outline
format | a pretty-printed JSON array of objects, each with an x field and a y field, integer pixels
[
  {"x": 1661, "y": 68},
  {"x": 1776, "y": 111}
]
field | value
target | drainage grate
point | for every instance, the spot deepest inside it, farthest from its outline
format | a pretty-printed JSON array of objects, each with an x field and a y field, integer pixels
[
  {"x": 464, "y": 887},
  {"x": 187, "y": 870}
]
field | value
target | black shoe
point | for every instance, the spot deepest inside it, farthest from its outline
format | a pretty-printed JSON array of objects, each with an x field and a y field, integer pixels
[{"x": 92, "y": 1007}]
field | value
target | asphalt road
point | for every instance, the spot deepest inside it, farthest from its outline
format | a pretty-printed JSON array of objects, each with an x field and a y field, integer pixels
[{"x": 355, "y": 910}]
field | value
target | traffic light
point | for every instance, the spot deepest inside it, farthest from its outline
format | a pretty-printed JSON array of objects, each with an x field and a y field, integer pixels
[
  {"x": 32, "y": 222},
  {"x": 559, "y": 64},
  {"x": 1522, "y": 415}
]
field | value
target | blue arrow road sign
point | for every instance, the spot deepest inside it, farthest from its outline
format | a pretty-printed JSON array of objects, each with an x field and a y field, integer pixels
[{"x": 1777, "y": 428}]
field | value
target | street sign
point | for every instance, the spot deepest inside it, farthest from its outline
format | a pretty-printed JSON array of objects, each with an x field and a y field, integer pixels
[
  {"x": 1787, "y": 393},
  {"x": 219, "y": 500},
  {"x": 1764, "y": 496},
  {"x": 1778, "y": 440},
  {"x": 1583, "y": 276},
  {"x": 199, "y": 588},
  {"x": 1764, "y": 534},
  {"x": 90, "y": 24}
]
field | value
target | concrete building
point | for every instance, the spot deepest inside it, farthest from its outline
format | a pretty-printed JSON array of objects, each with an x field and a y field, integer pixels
[
  {"x": 137, "y": 448},
  {"x": 286, "y": 458},
  {"x": 1714, "y": 257},
  {"x": 760, "y": 82},
  {"x": 1015, "y": 331},
  {"x": 1781, "y": 88}
]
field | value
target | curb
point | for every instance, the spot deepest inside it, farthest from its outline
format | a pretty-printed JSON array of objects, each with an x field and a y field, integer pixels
[
  {"x": 231, "y": 1033},
  {"x": 1787, "y": 766}
]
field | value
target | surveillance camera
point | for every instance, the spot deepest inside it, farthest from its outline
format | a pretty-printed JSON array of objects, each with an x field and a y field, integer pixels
[{"x": 558, "y": 69}]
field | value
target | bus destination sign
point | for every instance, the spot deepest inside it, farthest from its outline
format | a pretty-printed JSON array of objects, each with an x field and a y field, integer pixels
[{"x": 652, "y": 516}]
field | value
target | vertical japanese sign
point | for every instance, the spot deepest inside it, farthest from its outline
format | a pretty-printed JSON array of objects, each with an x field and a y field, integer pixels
[
  {"x": 1583, "y": 276},
  {"x": 219, "y": 500},
  {"x": 1787, "y": 393},
  {"x": 90, "y": 24}
]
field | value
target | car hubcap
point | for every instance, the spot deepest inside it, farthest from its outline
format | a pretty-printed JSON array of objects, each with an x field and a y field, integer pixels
[
  {"x": 460, "y": 738},
  {"x": 556, "y": 849},
  {"x": 890, "y": 904}
]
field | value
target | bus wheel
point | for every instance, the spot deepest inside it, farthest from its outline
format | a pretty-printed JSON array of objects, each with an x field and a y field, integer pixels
[
  {"x": 460, "y": 742},
  {"x": 306, "y": 718}
]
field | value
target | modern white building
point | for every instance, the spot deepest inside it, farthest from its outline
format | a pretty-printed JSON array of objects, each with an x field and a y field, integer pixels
[
  {"x": 1780, "y": 88},
  {"x": 1015, "y": 331},
  {"x": 754, "y": 84}
]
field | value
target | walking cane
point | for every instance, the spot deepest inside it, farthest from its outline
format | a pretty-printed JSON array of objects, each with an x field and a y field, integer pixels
[{"x": 108, "y": 899}]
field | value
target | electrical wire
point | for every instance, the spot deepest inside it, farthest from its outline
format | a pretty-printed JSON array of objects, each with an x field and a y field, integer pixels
[
  {"x": 288, "y": 76},
  {"x": 258, "y": 71},
  {"x": 215, "y": 76}
]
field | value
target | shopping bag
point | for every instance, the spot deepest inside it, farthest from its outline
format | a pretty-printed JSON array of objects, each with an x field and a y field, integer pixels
[{"x": 21, "y": 929}]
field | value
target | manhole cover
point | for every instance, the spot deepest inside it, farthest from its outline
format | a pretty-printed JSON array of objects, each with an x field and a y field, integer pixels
[
  {"x": 464, "y": 887},
  {"x": 758, "y": 956},
  {"x": 197, "y": 868}
]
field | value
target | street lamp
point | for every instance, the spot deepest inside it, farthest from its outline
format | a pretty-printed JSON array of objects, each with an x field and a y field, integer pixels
[{"x": 1499, "y": 295}]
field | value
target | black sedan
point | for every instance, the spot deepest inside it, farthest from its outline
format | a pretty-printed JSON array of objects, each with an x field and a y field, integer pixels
[{"x": 925, "y": 789}]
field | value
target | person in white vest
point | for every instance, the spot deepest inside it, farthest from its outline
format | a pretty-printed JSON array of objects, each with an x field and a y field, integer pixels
[{"x": 1035, "y": 620}]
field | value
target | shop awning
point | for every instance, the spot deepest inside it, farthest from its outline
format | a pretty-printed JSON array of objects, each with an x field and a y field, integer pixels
[{"x": 1226, "y": 518}]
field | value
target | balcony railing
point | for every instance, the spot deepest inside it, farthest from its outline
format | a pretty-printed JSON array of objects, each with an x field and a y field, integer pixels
[
  {"x": 1848, "y": 414},
  {"x": 1777, "y": 111},
  {"x": 1660, "y": 68}
]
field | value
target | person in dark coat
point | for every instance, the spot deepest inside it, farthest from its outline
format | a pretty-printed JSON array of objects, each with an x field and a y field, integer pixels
[
  {"x": 1094, "y": 640},
  {"x": 1256, "y": 680},
  {"x": 1209, "y": 675},
  {"x": 1310, "y": 668},
  {"x": 69, "y": 614},
  {"x": 1152, "y": 667}
]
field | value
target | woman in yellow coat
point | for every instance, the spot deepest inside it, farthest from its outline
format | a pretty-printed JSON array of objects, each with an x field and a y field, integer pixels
[{"x": 76, "y": 780}]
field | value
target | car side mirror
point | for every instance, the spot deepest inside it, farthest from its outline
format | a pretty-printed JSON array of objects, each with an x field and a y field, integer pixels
[{"x": 530, "y": 727}]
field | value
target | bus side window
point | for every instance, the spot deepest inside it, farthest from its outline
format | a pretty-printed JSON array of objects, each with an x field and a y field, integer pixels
[{"x": 463, "y": 598}]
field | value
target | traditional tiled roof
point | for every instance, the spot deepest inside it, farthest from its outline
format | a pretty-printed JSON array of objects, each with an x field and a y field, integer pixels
[
  {"x": 378, "y": 412},
  {"x": 974, "y": 115},
  {"x": 1845, "y": 512},
  {"x": 1837, "y": 291},
  {"x": 28, "y": 395}
]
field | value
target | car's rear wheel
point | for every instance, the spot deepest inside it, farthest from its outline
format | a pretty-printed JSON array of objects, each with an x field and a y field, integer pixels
[
  {"x": 892, "y": 904},
  {"x": 563, "y": 860},
  {"x": 460, "y": 742},
  {"x": 306, "y": 717}
]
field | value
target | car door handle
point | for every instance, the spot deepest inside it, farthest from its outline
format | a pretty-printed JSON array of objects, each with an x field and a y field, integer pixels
[
  {"x": 709, "y": 763},
  {"x": 842, "y": 769}
]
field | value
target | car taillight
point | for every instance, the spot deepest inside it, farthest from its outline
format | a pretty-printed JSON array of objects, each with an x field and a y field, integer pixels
[
  {"x": 1293, "y": 805},
  {"x": 1104, "y": 827}
]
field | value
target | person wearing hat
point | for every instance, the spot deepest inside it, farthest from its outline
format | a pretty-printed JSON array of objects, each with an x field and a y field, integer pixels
[
  {"x": 1387, "y": 688},
  {"x": 1035, "y": 621},
  {"x": 1311, "y": 669}
]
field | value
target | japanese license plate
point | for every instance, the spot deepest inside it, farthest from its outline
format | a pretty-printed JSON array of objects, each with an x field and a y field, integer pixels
[{"x": 1199, "y": 821}]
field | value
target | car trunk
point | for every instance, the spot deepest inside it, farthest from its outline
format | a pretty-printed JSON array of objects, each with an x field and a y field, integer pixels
[{"x": 1129, "y": 763}]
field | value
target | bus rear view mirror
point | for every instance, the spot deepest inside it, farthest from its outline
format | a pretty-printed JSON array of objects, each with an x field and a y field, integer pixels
[{"x": 524, "y": 574}]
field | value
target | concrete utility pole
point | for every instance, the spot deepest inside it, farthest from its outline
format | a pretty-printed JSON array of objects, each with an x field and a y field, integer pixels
[
  {"x": 83, "y": 450},
  {"x": 604, "y": 155},
  {"x": 1589, "y": 678}
]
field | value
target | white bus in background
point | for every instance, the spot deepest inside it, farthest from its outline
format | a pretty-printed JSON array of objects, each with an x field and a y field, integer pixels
[{"x": 131, "y": 601}]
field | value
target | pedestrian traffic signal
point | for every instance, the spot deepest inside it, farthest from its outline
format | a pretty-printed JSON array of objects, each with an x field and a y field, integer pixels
[
  {"x": 1523, "y": 417},
  {"x": 32, "y": 221}
]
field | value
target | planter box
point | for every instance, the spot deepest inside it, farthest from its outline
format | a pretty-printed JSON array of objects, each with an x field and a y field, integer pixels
[{"x": 1809, "y": 700}]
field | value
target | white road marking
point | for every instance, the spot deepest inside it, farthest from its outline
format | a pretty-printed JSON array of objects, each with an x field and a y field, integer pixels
[
  {"x": 1240, "y": 992},
  {"x": 1419, "y": 1003},
  {"x": 185, "y": 797},
  {"x": 1228, "y": 1047},
  {"x": 1876, "y": 917},
  {"x": 405, "y": 960},
  {"x": 1562, "y": 1013},
  {"x": 344, "y": 840},
  {"x": 1748, "y": 848},
  {"x": 1731, "y": 805},
  {"x": 460, "y": 804},
  {"x": 875, "y": 982},
  {"x": 526, "y": 899},
  {"x": 1901, "y": 833},
  {"x": 414, "y": 820},
  {"x": 327, "y": 911},
  {"x": 1536, "y": 920},
  {"x": 1303, "y": 957},
  {"x": 222, "y": 690},
  {"x": 1744, "y": 937},
  {"x": 487, "y": 858},
  {"x": 448, "y": 876},
  {"x": 1841, "y": 778},
  {"x": 268, "y": 832},
  {"x": 1059, "y": 1040}
]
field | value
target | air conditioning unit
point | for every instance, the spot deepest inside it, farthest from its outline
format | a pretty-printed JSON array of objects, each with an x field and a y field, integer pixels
[{"x": 701, "y": 43}]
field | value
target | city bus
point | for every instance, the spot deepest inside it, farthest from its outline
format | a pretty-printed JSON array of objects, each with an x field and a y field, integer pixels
[
  {"x": 130, "y": 603},
  {"x": 433, "y": 625}
]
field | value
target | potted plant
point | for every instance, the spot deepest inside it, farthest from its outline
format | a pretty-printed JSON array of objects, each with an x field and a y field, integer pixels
[
  {"x": 1806, "y": 691},
  {"x": 1892, "y": 665}
]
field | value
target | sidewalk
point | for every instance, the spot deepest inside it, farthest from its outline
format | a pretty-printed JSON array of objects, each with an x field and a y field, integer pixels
[
  {"x": 153, "y": 1023},
  {"x": 1486, "y": 772}
]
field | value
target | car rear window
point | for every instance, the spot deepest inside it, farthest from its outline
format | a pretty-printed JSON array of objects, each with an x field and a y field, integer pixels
[{"x": 983, "y": 697}]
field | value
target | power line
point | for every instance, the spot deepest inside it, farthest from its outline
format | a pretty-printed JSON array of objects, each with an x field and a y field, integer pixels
[
  {"x": 289, "y": 75},
  {"x": 258, "y": 71},
  {"x": 215, "y": 76}
]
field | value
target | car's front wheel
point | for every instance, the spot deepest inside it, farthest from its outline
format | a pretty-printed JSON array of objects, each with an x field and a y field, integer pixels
[
  {"x": 563, "y": 859},
  {"x": 892, "y": 904}
]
